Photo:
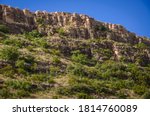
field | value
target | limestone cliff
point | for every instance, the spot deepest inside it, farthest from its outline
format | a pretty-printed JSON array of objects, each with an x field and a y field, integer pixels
[{"x": 75, "y": 25}]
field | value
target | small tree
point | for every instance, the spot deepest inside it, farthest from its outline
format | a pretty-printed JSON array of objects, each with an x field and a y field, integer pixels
[
  {"x": 10, "y": 54},
  {"x": 141, "y": 46},
  {"x": 79, "y": 57},
  {"x": 33, "y": 34},
  {"x": 61, "y": 31}
]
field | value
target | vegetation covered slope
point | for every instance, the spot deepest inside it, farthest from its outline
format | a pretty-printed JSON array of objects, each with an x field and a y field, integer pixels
[
  {"x": 33, "y": 65},
  {"x": 64, "y": 55}
]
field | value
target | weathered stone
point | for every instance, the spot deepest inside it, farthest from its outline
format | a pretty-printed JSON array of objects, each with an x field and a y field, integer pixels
[{"x": 76, "y": 26}]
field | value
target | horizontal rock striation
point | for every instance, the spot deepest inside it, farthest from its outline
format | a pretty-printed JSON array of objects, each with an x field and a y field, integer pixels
[{"x": 74, "y": 25}]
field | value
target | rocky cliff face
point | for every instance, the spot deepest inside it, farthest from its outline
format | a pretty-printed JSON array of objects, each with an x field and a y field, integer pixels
[
  {"x": 74, "y": 25},
  {"x": 77, "y": 26}
]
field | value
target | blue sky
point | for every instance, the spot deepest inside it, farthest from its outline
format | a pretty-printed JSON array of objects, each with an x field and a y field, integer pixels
[{"x": 133, "y": 14}]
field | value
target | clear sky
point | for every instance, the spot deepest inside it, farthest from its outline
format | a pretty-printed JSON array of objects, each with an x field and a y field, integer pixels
[{"x": 133, "y": 14}]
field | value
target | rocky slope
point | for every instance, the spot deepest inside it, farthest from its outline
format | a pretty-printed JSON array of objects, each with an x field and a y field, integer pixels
[
  {"x": 72, "y": 26},
  {"x": 64, "y": 55},
  {"x": 75, "y": 25}
]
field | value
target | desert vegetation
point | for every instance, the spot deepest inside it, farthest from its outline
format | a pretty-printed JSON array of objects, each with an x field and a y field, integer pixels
[{"x": 32, "y": 67}]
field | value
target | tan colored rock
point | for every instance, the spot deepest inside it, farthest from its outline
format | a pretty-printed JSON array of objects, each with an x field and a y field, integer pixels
[
  {"x": 27, "y": 13},
  {"x": 8, "y": 14},
  {"x": 76, "y": 25}
]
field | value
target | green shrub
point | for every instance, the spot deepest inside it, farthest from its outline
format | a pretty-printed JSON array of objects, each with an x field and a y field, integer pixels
[
  {"x": 92, "y": 73},
  {"x": 64, "y": 91},
  {"x": 22, "y": 71},
  {"x": 83, "y": 96},
  {"x": 20, "y": 85},
  {"x": 28, "y": 59},
  {"x": 106, "y": 52},
  {"x": 43, "y": 43},
  {"x": 106, "y": 91},
  {"x": 139, "y": 74},
  {"x": 51, "y": 81},
  {"x": 100, "y": 28},
  {"x": 30, "y": 48},
  {"x": 111, "y": 69},
  {"x": 121, "y": 95},
  {"x": 143, "y": 78},
  {"x": 40, "y": 77},
  {"x": 26, "y": 64},
  {"x": 40, "y": 42},
  {"x": 79, "y": 87},
  {"x": 8, "y": 71},
  {"x": 141, "y": 46},
  {"x": 14, "y": 42},
  {"x": 55, "y": 97},
  {"x": 120, "y": 84},
  {"x": 5, "y": 93},
  {"x": 139, "y": 89},
  {"x": 4, "y": 28},
  {"x": 146, "y": 95},
  {"x": 61, "y": 31},
  {"x": 21, "y": 64},
  {"x": 103, "y": 28},
  {"x": 77, "y": 70},
  {"x": 55, "y": 52},
  {"x": 82, "y": 88},
  {"x": 33, "y": 34},
  {"x": 54, "y": 70},
  {"x": 84, "y": 71},
  {"x": 113, "y": 66},
  {"x": 10, "y": 54},
  {"x": 56, "y": 60},
  {"x": 78, "y": 57},
  {"x": 22, "y": 94},
  {"x": 90, "y": 87},
  {"x": 134, "y": 70}
]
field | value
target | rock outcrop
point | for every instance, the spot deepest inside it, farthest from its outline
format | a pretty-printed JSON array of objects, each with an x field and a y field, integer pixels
[{"x": 74, "y": 25}]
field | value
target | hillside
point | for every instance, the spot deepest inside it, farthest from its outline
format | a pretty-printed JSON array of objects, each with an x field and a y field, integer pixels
[{"x": 64, "y": 55}]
